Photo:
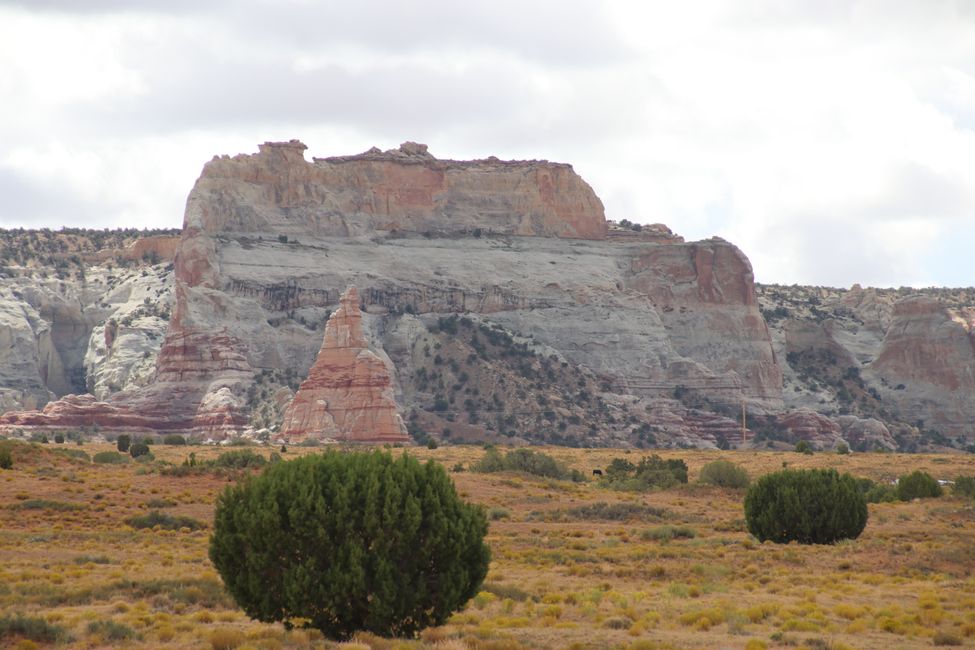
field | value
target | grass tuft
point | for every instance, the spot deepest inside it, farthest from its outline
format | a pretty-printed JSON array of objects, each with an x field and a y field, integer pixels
[{"x": 165, "y": 521}]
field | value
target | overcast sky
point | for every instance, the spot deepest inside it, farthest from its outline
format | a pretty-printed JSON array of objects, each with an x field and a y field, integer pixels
[{"x": 834, "y": 142}]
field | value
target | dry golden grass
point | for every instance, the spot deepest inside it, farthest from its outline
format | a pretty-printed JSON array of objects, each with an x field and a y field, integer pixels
[{"x": 556, "y": 580}]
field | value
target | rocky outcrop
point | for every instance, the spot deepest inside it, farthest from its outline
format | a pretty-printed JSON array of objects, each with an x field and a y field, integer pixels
[
  {"x": 348, "y": 395},
  {"x": 866, "y": 434},
  {"x": 497, "y": 300},
  {"x": 188, "y": 381},
  {"x": 405, "y": 190},
  {"x": 804, "y": 424},
  {"x": 929, "y": 352},
  {"x": 122, "y": 349},
  {"x": 153, "y": 249},
  {"x": 79, "y": 411},
  {"x": 25, "y": 343},
  {"x": 704, "y": 293},
  {"x": 900, "y": 362}
]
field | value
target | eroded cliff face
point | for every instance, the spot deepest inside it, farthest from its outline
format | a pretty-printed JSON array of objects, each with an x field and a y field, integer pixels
[
  {"x": 99, "y": 333},
  {"x": 404, "y": 190},
  {"x": 523, "y": 246},
  {"x": 894, "y": 368},
  {"x": 503, "y": 305}
]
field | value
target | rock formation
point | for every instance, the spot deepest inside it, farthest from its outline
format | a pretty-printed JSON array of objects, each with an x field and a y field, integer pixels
[
  {"x": 404, "y": 190},
  {"x": 348, "y": 395},
  {"x": 498, "y": 300},
  {"x": 929, "y": 349},
  {"x": 894, "y": 368}
]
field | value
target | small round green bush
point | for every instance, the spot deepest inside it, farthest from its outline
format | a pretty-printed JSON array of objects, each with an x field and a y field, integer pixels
[
  {"x": 122, "y": 442},
  {"x": 109, "y": 458},
  {"x": 6, "y": 460},
  {"x": 137, "y": 449},
  {"x": 917, "y": 485},
  {"x": 724, "y": 473},
  {"x": 350, "y": 542},
  {"x": 816, "y": 506},
  {"x": 174, "y": 439},
  {"x": 803, "y": 447}
]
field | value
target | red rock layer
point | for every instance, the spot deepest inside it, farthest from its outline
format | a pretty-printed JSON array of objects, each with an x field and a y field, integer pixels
[
  {"x": 408, "y": 190},
  {"x": 348, "y": 395},
  {"x": 705, "y": 295},
  {"x": 803, "y": 424},
  {"x": 931, "y": 343}
]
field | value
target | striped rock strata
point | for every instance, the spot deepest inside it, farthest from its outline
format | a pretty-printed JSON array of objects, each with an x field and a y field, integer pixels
[{"x": 348, "y": 395}]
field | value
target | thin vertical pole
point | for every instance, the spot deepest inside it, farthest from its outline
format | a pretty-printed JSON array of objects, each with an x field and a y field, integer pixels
[{"x": 743, "y": 423}]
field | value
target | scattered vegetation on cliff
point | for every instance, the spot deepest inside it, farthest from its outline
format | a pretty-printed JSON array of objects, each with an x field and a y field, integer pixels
[
  {"x": 477, "y": 381},
  {"x": 268, "y": 396},
  {"x": 63, "y": 253}
]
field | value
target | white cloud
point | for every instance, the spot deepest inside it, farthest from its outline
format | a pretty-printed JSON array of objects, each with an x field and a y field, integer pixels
[{"x": 834, "y": 141}]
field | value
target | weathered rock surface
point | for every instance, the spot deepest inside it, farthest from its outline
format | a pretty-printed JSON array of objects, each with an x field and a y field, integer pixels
[
  {"x": 929, "y": 348},
  {"x": 348, "y": 395},
  {"x": 867, "y": 434},
  {"x": 404, "y": 190},
  {"x": 900, "y": 359},
  {"x": 138, "y": 381},
  {"x": 49, "y": 326},
  {"x": 804, "y": 424},
  {"x": 122, "y": 349},
  {"x": 572, "y": 329},
  {"x": 25, "y": 354}
]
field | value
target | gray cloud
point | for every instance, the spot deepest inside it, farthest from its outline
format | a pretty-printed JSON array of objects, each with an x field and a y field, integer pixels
[
  {"x": 405, "y": 97},
  {"x": 558, "y": 33}
]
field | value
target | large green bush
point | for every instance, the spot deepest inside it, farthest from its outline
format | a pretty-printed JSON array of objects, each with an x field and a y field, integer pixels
[
  {"x": 350, "y": 542},
  {"x": 724, "y": 473},
  {"x": 816, "y": 506},
  {"x": 917, "y": 485},
  {"x": 122, "y": 442}
]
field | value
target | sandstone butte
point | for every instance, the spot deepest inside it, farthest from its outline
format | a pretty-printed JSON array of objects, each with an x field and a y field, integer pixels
[
  {"x": 348, "y": 394},
  {"x": 270, "y": 241}
]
